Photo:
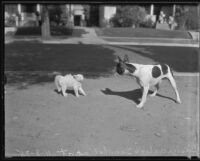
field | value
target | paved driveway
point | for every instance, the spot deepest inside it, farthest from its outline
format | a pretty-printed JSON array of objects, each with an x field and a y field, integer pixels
[{"x": 38, "y": 121}]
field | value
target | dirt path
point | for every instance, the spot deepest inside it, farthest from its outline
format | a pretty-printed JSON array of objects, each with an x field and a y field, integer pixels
[{"x": 38, "y": 121}]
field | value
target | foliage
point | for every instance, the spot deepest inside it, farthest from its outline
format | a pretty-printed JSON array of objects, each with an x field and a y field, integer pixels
[
  {"x": 192, "y": 21},
  {"x": 148, "y": 23},
  {"x": 181, "y": 16},
  {"x": 11, "y": 8},
  {"x": 64, "y": 16},
  {"x": 127, "y": 16},
  {"x": 58, "y": 15},
  {"x": 187, "y": 17},
  {"x": 10, "y": 21}
]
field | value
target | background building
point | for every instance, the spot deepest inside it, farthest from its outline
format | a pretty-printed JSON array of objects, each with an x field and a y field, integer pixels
[{"x": 82, "y": 15}]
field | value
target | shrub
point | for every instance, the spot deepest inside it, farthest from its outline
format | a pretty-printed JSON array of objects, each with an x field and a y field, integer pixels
[
  {"x": 57, "y": 15},
  {"x": 105, "y": 23},
  {"x": 187, "y": 17},
  {"x": 29, "y": 23},
  {"x": 10, "y": 21},
  {"x": 181, "y": 16},
  {"x": 148, "y": 24},
  {"x": 127, "y": 16},
  {"x": 192, "y": 21}
]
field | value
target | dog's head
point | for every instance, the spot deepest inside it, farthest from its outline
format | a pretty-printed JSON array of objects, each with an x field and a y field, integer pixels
[
  {"x": 79, "y": 77},
  {"x": 124, "y": 67}
]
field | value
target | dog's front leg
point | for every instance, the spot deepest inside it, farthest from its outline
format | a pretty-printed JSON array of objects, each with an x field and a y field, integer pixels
[
  {"x": 76, "y": 91},
  {"x": 144, "y": 96},
  {"x": 173, "y": 83},
  {"x": 82, "y": 91}
]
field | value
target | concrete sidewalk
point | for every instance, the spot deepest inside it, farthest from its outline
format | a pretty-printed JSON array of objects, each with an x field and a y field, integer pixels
[
  {"x": 89, "y": 38},
  {"x": 152, "y": 41},
  {"x": 92, "y": 38}
]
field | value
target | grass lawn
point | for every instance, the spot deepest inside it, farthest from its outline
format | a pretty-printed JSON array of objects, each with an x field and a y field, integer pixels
[
  {"x": 141, "y": 32},
  {"x": 32, "y": 62},
  {"x": 55, "y": 31}
]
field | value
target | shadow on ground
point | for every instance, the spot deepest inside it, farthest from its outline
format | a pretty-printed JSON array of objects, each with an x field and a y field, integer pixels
[
  {"x": 133, "y": 95},
  {"x": 181, "y": 59},
  {"x": 33, "y": 63}
]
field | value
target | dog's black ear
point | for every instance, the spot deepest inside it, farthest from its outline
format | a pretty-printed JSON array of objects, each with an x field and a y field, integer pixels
[
  {"x": 120, "y": 60},
  {"x": 126, "y": 59}
]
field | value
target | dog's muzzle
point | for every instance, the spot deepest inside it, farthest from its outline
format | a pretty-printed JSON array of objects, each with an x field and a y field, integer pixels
[{"x": 119, "y": 69}]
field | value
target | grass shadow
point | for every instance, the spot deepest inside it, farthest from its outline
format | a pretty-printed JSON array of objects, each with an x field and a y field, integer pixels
[
  {"x": 55, "y": 31},
  {"x": 34, "y": 63},
  {"x": 180, "y": 59}
]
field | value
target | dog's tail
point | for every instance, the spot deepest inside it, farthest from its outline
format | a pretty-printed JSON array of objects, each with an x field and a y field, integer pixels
[{"x": 53, "y": 74}]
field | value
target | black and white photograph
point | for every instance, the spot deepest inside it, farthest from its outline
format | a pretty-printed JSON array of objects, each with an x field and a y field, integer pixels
[{"x": 100, "y": 79}]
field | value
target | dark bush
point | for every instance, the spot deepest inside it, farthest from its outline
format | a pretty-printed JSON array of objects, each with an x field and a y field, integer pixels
[
  {"x": 10, "y": 21},
  {"x": 128, "y": 16},
  {"x": 192, "y": 20},
  {"x": 187, "y": 17},
  {"x": 58, "y": 15},
  {"x": 147, "y": 24}
]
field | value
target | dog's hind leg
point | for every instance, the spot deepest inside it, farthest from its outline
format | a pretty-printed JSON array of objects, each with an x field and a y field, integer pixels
[
  {"x": 64, "y": 88},
  {"x": 173, "y": 83},
  {"x": 57, "y": 86},
  {"x": 144, "y": 96}
]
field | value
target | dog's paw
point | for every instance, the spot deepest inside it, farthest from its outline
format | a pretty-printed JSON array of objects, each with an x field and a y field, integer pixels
[
  {"x": 178, "y": 101},
  {"x": 65, "y": 95},
  {"x": 153, "y": 94},
  {"x": 139, "y": 106}
]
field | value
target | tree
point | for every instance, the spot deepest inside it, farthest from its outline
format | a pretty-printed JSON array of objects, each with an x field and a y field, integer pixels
[
  {"x": 86, "y": 9},
  {"x": 127, "y": 16},
  {"x": 181, "y": 16},
  {"x": 193, "y": 18},
  {"x": 55, "y": 14},
  {"x": 187, "y": 17},
  {"x": 46, "y": 34}
]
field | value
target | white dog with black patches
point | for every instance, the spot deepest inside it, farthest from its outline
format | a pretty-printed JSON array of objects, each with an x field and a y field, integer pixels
[
  {"x": 147, "y": 76},
  {"x": 70, "y": 82}
]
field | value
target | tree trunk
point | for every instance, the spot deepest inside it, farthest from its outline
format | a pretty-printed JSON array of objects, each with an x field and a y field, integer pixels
[
  {"x": 46, "y": 34},
  {"x": 198, "y": 12}
]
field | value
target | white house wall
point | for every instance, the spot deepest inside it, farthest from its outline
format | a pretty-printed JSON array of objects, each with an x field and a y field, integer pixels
[{"x": 109, "y": 12}]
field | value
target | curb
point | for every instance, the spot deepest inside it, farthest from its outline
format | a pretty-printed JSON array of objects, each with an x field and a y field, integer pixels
[
  {"x": 181, "y": 74},
  {"x": 103, "y": 42},
  {"x": 195, "y": 35},
  {"x": 153, "y": 44},
  {"x": 144, "y": 38}
]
